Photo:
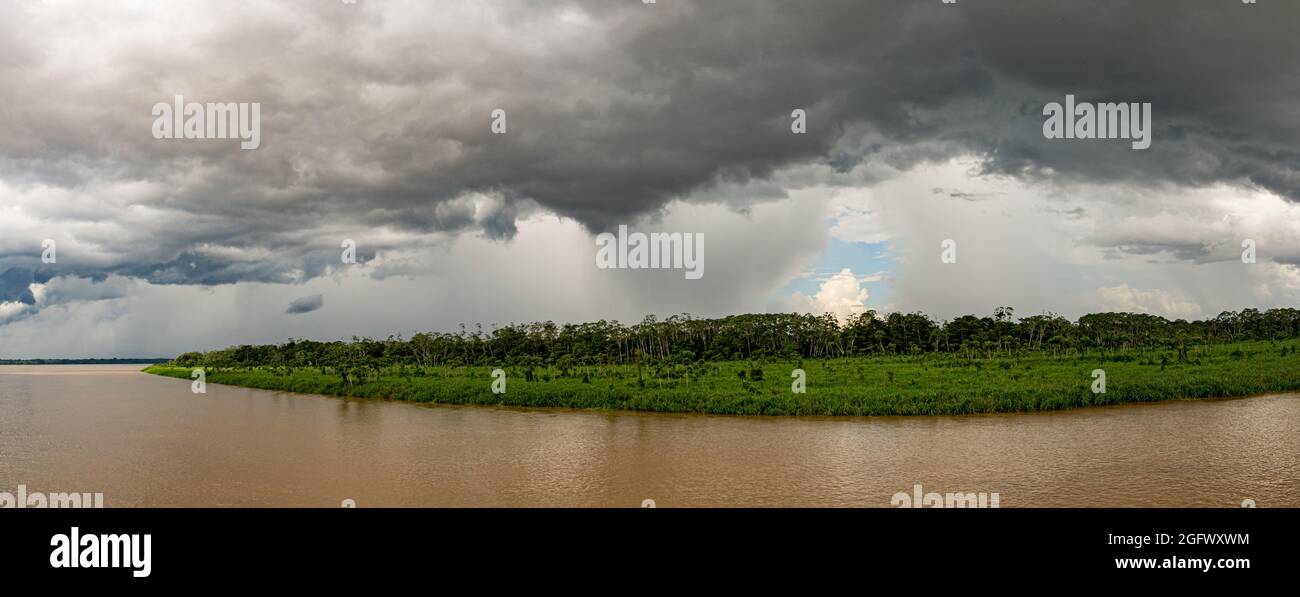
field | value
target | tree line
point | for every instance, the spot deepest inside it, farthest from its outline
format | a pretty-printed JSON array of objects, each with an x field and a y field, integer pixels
[{"x": 684, "y": 339}]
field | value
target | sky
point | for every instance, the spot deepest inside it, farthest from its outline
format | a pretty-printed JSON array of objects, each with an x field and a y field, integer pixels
[{"x": 923, "y": 123}]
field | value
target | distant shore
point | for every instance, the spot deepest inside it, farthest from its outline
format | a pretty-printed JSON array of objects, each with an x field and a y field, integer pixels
[{"x": 83, "y": 361}]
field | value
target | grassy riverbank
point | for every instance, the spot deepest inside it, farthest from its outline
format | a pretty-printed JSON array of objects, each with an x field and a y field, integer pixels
[{"x": 913, "y": 385}]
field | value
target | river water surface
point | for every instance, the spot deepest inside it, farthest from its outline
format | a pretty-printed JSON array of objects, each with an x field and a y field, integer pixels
[{"x": 144, "y": 440}]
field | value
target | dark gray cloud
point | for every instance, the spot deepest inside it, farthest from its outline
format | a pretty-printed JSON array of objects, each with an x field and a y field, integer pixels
[
  {"x": 306, "y": 304},
  {"x": 962, "y": 195},
  {"x": 376, "y": 115},
  {"x": 15, "y": 286}
]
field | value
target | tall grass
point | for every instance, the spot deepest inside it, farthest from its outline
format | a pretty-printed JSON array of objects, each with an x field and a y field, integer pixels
[{"x": 905, "y": 385}]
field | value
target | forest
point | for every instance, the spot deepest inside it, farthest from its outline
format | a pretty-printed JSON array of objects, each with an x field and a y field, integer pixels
[{"x": 683, "y": 339}]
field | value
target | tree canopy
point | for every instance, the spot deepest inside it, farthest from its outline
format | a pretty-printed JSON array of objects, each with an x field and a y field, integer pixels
[{"x": 682, "y": 338}]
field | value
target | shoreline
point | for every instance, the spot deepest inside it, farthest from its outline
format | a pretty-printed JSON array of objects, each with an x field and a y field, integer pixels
[
  {"x": 854, "y": 387},
  {"x": 801, "y": 417}
]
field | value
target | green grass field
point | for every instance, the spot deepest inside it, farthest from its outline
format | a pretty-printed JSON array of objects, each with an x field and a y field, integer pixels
[{"x": 912, "y": 385}]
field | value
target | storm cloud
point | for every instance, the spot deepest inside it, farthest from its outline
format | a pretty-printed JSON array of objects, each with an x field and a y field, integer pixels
[
  {"x": 306, "y": 304},
  {"x": 376, "y": 117},
  {"x": 377, "y": 113}
]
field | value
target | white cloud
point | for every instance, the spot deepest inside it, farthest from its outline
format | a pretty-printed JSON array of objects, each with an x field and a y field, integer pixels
[
  {"x": 12, "y": 310},
  {"x": 841, "y": 294},
  {"x": 1045, "y": 247}
]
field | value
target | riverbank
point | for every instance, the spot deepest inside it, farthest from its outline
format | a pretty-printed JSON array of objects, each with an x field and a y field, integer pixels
[{"x": 915, "y": 385}]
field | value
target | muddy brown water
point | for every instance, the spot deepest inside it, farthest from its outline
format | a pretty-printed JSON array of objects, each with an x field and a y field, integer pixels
[{"x": 144, "y": 440}]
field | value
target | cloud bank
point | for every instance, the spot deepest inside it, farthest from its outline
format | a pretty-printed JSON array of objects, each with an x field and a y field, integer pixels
[{"x": 376, "y": 126}]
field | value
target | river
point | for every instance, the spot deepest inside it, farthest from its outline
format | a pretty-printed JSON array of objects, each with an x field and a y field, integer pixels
[{"x": 144, "y": 440}]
